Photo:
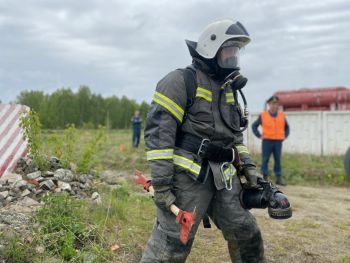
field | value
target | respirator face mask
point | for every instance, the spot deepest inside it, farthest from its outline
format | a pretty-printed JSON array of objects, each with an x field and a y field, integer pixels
[{"x": 228, "y": 55}]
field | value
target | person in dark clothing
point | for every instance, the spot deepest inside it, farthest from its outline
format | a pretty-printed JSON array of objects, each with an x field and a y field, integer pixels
[
  {"x": 136, "y": 129},
  {"x": 275, "y": 129},
  {"x": 188, "y": 148}
]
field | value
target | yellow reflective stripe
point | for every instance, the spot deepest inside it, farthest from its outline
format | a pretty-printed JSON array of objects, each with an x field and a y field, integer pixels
[
  {"x": 229, "y": 97},
  {"x": 159, "y": 158},
  {"x": 187, "y": 164},
  {"x": 176, "y": 115},
  {"x": 187, "y": 160},
  {"x": 170, "y": 101},
  {"x": 242, "y": 149},
  {"x": 204, "y": 90},
  {"x": 241, "y": 146},
  {"x": 227, "y": 171},
  {"x": 160, "y": 154},
  {"x": 204, "y": 93},
  {"x": 204, "y": 97},
  {"x": 170, "y": 105},
  {"x": 230, "y": 171},
  {"x": 186, "y": 167},
  {"x": 162, "y": 151}
]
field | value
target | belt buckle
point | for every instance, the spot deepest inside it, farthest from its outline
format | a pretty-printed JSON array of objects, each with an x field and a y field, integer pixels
[{"x": 200, "y": 151}]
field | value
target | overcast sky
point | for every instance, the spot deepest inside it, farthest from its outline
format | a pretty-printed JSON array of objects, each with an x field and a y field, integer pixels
[{"x": 125, "y": 47}]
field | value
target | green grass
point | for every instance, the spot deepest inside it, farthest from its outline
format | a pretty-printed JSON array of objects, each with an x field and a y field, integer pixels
[
  {"x": 297, "y": 169},
  {"x": 109, "y": 155},
  {"x": 73, "y": 230},
  {"x": 305, "y": 169},
  {"x": 345, "y": 259},
  {"x": 16, "y": 250},
  {"x": 77, "y": 230},
  {"x": 62, "y": 227}
]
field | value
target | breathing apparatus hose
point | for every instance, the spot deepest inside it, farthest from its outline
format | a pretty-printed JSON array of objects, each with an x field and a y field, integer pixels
[{"x": 243, "y": 115}]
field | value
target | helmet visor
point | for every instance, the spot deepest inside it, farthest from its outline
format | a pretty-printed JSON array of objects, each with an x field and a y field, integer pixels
[{"x": 228, "y": 55}]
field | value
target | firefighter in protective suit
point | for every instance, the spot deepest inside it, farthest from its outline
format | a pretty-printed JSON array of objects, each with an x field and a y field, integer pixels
[{"x": 191, "y": 147}]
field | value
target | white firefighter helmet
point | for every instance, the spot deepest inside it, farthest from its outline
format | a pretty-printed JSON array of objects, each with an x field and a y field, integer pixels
[{"x": 216, "y": 34}]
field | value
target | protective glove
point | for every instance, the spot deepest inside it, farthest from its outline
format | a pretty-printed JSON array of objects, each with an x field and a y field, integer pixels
[
  {"x": 252, "y": 175},
  {"x": 216, "y": 153},
  {"x": 238, "y": 81},
  {"x": 163, "y": 197}
]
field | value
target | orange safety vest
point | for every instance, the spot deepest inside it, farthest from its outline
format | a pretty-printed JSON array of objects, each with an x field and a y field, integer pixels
[{"x": 273, "y": 127}]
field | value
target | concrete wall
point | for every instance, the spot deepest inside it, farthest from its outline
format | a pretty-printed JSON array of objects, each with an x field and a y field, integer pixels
[{"x": 313, "y": 132}]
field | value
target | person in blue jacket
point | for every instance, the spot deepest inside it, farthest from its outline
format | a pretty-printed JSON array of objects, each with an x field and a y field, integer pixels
[{"x": 136, "y": 129}]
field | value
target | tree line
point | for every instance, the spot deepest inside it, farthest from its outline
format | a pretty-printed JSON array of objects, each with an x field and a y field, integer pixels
[{"x": 83, "y": 108}]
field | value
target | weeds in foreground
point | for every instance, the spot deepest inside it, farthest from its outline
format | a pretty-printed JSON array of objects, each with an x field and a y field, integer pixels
[
  {"x": 31, "y": 127},
  {"x": 90, "y": 149},
  {"x": 74, "y": 230},
  {"x": 345, "y": 259},
  {"x": 63, "y": 230},
  {"x": 63, "y": 147},
  {"x": 16, "y": 250}
]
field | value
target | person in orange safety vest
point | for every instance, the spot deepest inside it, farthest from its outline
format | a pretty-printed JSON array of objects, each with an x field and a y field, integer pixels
[{"x": 275, "y": 129}]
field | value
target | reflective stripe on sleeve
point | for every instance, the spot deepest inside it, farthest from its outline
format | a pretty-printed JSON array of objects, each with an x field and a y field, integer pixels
[
  {"x": 170, "y": 105},
  {"x": 204, "y": 93},
  {"x": 242, "y": 149},
  {"x": 187, "y": 164},
  {"x": 160, "y": 154}
]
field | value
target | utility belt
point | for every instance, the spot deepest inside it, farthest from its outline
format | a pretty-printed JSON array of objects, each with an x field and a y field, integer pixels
[
  {"x": 194, "y": 144},
  {"x": 191, "y": 143}
]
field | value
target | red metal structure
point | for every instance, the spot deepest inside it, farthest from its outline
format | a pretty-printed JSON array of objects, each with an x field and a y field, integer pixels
[{"x": 337, "y": 98}]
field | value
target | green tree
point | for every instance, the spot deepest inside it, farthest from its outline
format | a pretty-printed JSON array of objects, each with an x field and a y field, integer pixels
[
  {"x": 113, "y": 113},
  {"x": 84, "y": 104},
  {"x": 32, "y": 99},
  {"x": 144, "y": 107},
  {"x": 98, "y": 110},
  {"x": 81, "y": 108},
  {"x": 62, "y": 109},
  {"x": 127, "y": 109}
]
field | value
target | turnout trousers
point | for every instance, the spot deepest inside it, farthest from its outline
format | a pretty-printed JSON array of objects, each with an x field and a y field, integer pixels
[{"x": 238, "y": 225}]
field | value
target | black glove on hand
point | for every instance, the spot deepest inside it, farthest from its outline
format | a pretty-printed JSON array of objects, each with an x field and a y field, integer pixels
[
  {"x": 252, "y": 175},
  {"x": 238, "y": 81},
  {"x": 216, "y": 153},
  {"x": 163, "y": 197}
]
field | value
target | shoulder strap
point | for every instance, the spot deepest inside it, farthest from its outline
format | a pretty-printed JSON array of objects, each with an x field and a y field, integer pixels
[{"x": 190, "y": 79}]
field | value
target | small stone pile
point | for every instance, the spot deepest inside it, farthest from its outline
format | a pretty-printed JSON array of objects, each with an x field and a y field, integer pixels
[
  {"x": 21, "y": 191},
  {"x": 29, "y": 182}
]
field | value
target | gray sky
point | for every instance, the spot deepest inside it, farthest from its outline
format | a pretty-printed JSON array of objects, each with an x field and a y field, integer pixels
[{"x": 125, "y": 47}]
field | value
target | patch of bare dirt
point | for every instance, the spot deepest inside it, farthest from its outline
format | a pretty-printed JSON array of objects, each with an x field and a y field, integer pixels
[{"x": 319, "y": 230}]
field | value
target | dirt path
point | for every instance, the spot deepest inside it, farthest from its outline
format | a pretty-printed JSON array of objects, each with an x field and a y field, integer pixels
[{"x": 319, "y": 230}]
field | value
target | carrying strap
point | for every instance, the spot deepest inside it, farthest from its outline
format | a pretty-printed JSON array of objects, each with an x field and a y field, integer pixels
[{"x": 190, "y": 79}]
